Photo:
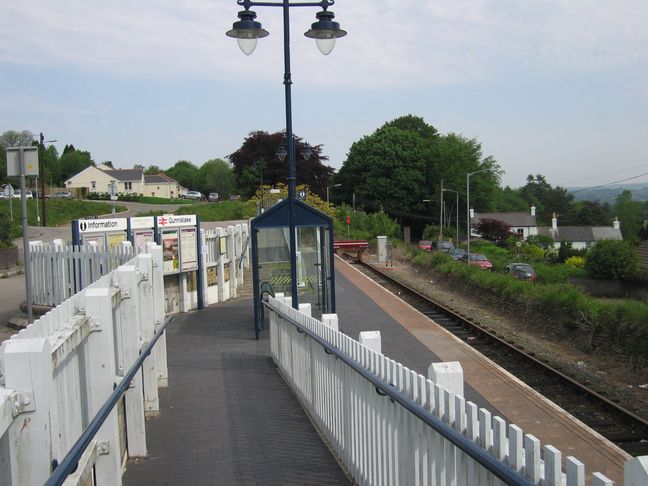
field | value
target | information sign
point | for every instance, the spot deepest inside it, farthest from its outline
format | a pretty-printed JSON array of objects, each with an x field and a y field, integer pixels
[
  {"x": 142, "y": 222},
  {"x": 172, "y": 221},
  {"x": 102, "y": 225}
]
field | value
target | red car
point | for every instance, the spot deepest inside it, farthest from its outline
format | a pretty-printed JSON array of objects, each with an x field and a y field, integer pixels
[
  {"x": 425, "y": 245},
  {"x": 478, "y": 259}
]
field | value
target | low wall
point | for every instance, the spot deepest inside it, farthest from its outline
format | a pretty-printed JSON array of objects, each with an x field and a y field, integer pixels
[{"x": 8, "y": 257}]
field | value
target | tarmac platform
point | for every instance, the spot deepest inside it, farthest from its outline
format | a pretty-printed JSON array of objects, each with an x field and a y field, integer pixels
[{"x": 229, "y": 418}]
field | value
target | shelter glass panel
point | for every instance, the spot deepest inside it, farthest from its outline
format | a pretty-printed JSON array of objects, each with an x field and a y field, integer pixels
[{"x": 273, "y": 249}]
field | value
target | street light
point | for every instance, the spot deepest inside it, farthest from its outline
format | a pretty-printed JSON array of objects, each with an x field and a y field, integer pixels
[
  {"x": 247, "y": 31},
  {"x": 327, "y": 190},
  {"x": 468, "y": 206},
  {"x": 457, "y": 194}
]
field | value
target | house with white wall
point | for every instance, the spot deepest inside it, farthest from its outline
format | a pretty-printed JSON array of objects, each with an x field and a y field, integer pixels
[
  {"x": 522, "y": 223},
  {"x": 127, "y": 181},
  {"x": 580, "y": 237}
]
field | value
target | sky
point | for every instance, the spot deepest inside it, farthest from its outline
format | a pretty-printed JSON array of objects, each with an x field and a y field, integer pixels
[{"x": 551, "y": 87}]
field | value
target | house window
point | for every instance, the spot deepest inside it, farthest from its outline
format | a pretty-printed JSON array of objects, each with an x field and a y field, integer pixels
[
  {"x": 520, "y": 232},
  {"x": 128, "y": 186},
  {"x": 158, "y": 188},
  {"x": 94, "y": 184}
]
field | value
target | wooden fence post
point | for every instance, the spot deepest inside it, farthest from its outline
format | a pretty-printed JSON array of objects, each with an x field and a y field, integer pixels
[
  {"x": 147, "y": 329},
  {"x": 28, "y": 369},
  {"x": 129, "y": 312},
  {"x": 157, "y": 280},
  {"x": 101, "y": 362}
]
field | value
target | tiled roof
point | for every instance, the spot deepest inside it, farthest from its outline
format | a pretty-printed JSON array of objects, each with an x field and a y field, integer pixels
[
  {"x": 159, "y": 179},
  {"x": 581, "y": 233},
  {"x": 517, "y": 219},
  {"x": 125, "y": 175}
]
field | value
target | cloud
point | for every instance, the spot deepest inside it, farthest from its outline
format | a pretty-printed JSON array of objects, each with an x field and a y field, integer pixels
[{"x": 390, "y": 42}]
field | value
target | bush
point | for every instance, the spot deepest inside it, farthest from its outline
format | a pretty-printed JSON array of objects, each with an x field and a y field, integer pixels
[
  {"x": 5, "y": 229},
  {"x": 611, "y": 259},
  {"x": 575, "y": 262}
]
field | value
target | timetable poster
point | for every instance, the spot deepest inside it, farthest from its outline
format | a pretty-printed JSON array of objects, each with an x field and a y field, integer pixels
[
  {"x": 141, "y": 238},
  {"x": 188, "y": 251},
  {"x": 115, "y": 239},
  {"x": 171, "y": 263}
]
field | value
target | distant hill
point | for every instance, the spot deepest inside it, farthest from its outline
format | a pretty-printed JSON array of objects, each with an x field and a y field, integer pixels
[{"x": 608, "y": 194}]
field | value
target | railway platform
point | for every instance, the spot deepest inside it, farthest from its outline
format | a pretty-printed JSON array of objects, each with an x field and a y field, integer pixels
[
  {"x": 416, "y": 341},
  {"x": 229, "y": 418}
]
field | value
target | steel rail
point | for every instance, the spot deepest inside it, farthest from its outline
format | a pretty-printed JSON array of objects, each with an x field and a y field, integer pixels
[
  {"x": 499, "y": 469},
  {"x": 71, "y": 460},
  {"x": 494, "y": 337}
]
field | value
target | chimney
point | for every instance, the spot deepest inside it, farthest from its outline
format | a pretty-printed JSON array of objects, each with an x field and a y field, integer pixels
[
  {"x": 532, "y": 210},
  {"x": 554, "y": 222},
  {"x": 472, "y": 213},
  {"x": 615, "y": 224}
]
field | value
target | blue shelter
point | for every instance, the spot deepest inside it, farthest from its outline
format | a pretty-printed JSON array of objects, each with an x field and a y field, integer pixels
[{"x": 270, "y": 234}]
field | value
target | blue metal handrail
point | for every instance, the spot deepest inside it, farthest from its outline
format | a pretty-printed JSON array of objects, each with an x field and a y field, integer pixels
[
  {"x": 247, "y": 240},
  {"x": 502, "y": 471},
  {"x": 71, "y": 460}
]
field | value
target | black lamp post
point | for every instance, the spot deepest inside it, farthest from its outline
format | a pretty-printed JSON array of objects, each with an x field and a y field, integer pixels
[{"x": 247, "y": 31}]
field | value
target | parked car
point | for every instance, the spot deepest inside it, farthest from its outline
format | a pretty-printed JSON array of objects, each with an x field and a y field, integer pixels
[
  {"x": 457, "y": 253},
  {"x": 425, "y": 245},
  {"x": 28, "y": 194},
  {"x": 478, "y": 259},
  {"x": 522, "y": 271},
  {"x": 443, "y": 246},
  {"x": 213, "y": 197},
  {"x": 195, "y": 195},
  {"x": 60, "y": 195}
]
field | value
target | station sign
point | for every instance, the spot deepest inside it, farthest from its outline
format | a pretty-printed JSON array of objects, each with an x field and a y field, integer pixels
[
  {"x": 173, "y": 221},
  {"x": 142, "y": 222}
]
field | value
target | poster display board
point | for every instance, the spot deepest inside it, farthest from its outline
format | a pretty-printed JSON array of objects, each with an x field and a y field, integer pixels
[
  {"x": 212, "y": 276},
  {"x": 142, "y": 237},
  {"x": 95, "y": 239},
  {"x": 188, "y": 253},
  {"x": 170, "y": 256},
  {"x": 222, "y": 245},
  {"x": 115, "y": 239}
]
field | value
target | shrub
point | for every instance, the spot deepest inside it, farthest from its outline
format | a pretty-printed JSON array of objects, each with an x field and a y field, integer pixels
[
  {"x": 611, "y": 259},
  {"x": 494, "y": 230},
  {"x": 575, "y": 262},
  {"x": 5, "y": 229}
]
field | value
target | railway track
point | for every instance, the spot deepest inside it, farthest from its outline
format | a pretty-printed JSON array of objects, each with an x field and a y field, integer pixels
[{"x": 621, "y": 426}]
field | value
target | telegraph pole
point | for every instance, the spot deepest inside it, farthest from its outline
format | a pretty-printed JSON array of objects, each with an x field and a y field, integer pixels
[{"x": 41, "y": 156}]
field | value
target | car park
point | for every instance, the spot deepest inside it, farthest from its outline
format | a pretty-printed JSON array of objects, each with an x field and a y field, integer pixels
[
  {"x": 195, "y": 195},
  {"x": 457, "y": 253},
  {"x": 28, "y": 194},
  {"x": 425, "y": 245},
  {"x": 213, "y": 197},
  {"x": 478, "y": 259},
  {"x": 522, "y": 271},
  {"x": 60, "y": 195},
  {"x": 442, "y": 246}
]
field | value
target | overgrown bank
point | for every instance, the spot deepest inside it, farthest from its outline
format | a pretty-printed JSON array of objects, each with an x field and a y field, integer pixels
[{"x": 596, "y": 326}]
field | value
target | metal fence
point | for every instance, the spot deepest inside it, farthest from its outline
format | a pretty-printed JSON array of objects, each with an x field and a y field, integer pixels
[{"x": 389, "y": 425}]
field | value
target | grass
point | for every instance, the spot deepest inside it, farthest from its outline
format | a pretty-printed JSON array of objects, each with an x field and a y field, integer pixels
[
  {"x": 162, "y": 200},
  {"x": 222, "y": 211},
  {"x": 59, "y": 212}
]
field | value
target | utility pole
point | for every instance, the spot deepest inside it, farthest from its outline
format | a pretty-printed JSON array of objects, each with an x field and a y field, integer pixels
[
  {"x": 41, "y": 156},
  {"x": 441, "y": 214}
]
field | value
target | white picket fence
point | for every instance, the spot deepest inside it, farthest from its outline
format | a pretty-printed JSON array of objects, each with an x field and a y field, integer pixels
[
  {"x": 379, "y": 441},
  {"x": 59, "y": 271},
  {"x": 58, "y": 372}
]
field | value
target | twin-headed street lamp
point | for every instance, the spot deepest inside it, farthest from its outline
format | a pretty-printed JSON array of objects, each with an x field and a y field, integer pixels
[{"x": 325, "y": 31}]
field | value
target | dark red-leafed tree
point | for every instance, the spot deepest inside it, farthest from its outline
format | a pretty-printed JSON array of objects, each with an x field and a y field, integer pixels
[{"x": 493, "y": 230}]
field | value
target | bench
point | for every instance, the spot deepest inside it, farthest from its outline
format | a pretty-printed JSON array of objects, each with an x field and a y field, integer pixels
[{"x": 357, "y": 246}]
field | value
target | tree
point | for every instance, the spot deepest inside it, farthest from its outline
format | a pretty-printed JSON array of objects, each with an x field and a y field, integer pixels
[
  {"x": 260, "y": 146},
  {"x": 547, "y": 199},
  {"x": 153, "y": 170},
  {"x": 494, "y": 230},
  {"x": 12, "y": 138},
  {"x": 629, "y": 213},
  {"x": 51, "y": 166},
  {"x": 108, "y": 163},
  {"x": 587, "y": 213},
  {"x": 184, "y": 172},
  {"x": 138, "y": 166},
  {"x": 216, "y": 175},
  {"x": 611, "y": 259},
  {"x": 74, "y": 161}
]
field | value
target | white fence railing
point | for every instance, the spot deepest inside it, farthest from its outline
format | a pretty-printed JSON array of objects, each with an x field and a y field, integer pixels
[
  {"x": 381, "y": 440},
  {"x": 58, "y": 372},
  {"x": 60, "y": 271}
]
